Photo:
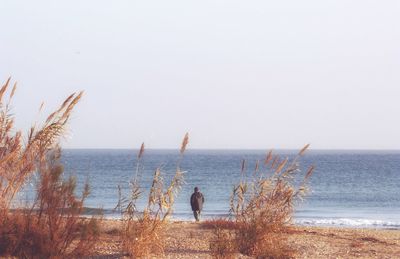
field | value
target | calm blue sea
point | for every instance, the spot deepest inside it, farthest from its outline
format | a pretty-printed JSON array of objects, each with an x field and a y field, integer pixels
[{"x": 348, "y": 188}]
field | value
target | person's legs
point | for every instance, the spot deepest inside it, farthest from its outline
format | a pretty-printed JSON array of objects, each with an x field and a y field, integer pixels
[{"x": 196, "y": 214}]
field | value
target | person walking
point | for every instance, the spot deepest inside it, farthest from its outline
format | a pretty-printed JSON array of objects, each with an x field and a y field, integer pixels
[{"x": 196, "y": 201}]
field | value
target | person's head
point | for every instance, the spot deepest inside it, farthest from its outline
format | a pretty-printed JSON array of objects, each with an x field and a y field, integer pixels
[{"x": 196, "y": 189}]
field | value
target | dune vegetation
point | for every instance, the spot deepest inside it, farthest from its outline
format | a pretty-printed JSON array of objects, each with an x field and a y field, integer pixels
[
  {"x": 143, "y": 232},
  {"x": 261, "y": 207},
  {"x": 50, "y": 226},
  {"x": 262, "y": 203}
]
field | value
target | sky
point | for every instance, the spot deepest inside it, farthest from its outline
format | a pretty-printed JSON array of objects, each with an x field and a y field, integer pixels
[{"x": 234, "y": 74}]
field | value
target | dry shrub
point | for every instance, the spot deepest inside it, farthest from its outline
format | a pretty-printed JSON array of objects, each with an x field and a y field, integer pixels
[
  {"x": 221, "y": 223},
  {"x": 51, "y": 228},
  {"x": 144, "y": 232},
  {"x": 19, "y": 161},
  {"x": 222, "y": 244},
  {"x": 144, "y": 236},
  {"x": 262, "y": 205}
]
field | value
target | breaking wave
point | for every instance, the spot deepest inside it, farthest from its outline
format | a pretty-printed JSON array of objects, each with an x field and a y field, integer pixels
[{"x": 349, "y": 222}]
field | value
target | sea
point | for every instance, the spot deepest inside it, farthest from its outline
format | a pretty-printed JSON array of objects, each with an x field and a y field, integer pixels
[{"x": 349, "y": 188}]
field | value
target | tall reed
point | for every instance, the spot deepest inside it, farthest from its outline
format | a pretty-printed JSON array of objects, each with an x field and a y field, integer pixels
[
  {"x": 20, "y": 156},
  {"x": 52, "y": 226},
  {"x": 144, "y": 232},
  {"x": 262, "y": 206}
]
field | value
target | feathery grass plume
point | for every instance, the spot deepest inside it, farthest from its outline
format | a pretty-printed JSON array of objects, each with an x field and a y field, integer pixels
[
  {"x": 281, "y": 166},
  {"x": 4, "y": 88},
  {"x": 51, "y": 227},
  {"x": 274, "y": 162},
  {"x": 268, "y": 157},
  {"x": 141, "y": 151},
  {"x": 262, "y": 207},
  {"x": 304, "y": 149},
  {"x": 13, "y": 91},
  {"x": 303, "y": 187},
  {"x": 309, "y": 172},
  {"x": 138, "y": 163},
  {"x": 144, "y": 233},
  {"x": 184, "y": 143},
  {"x": 17, "y": 160}
]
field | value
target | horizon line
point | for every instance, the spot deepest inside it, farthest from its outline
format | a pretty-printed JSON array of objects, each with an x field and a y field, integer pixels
[{"x": 240, "y": 149}]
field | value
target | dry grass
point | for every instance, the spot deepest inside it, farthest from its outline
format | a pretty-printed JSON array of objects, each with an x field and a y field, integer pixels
[
  {"x": 144, "y": 236},
  {"x": 221, "y": 223},
  {"x": 19, "y": 161},
  {"x": 262, "y": 205},
  {"x": 144, "y": 233},
  {"x": 222, "y": 244},
  {"x": 51, "y": 226}
]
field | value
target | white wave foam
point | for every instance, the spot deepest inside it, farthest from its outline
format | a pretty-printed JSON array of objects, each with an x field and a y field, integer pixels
[{"x": 349, "y": 222}]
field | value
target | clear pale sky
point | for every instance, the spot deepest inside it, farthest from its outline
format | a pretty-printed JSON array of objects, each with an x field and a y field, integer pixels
[{"x": 234, "y": 74}]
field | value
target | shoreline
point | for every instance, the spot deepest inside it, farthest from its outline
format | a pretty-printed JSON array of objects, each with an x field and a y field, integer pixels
[
  {"x": 185, "y": 239},
  {"x": 382, "y": 225},
  {"x": 294, "y": 224}
]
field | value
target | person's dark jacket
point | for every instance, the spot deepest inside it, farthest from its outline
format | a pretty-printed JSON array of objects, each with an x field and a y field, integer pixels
[{"x": 196, "y": 201}]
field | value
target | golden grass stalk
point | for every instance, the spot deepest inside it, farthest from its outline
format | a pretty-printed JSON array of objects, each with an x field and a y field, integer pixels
[
  {"x": 303, "y": 150},
  {"x": 52, "y": 227},
  {"x": 143, "y": 233},
  {"x": 268, "y": 157},
  {"x": 18, "y": 160},
  {"x": 141, "y": 151},
  {"x": 262, "y": 207},
  {"x": 184, "y": 143}
]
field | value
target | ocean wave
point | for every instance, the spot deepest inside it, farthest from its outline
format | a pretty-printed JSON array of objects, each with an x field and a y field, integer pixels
[{"x": 349, "y": 222}]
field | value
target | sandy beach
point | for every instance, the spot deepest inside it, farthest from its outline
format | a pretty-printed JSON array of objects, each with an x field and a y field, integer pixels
[{"x": 191, "y": 240}]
